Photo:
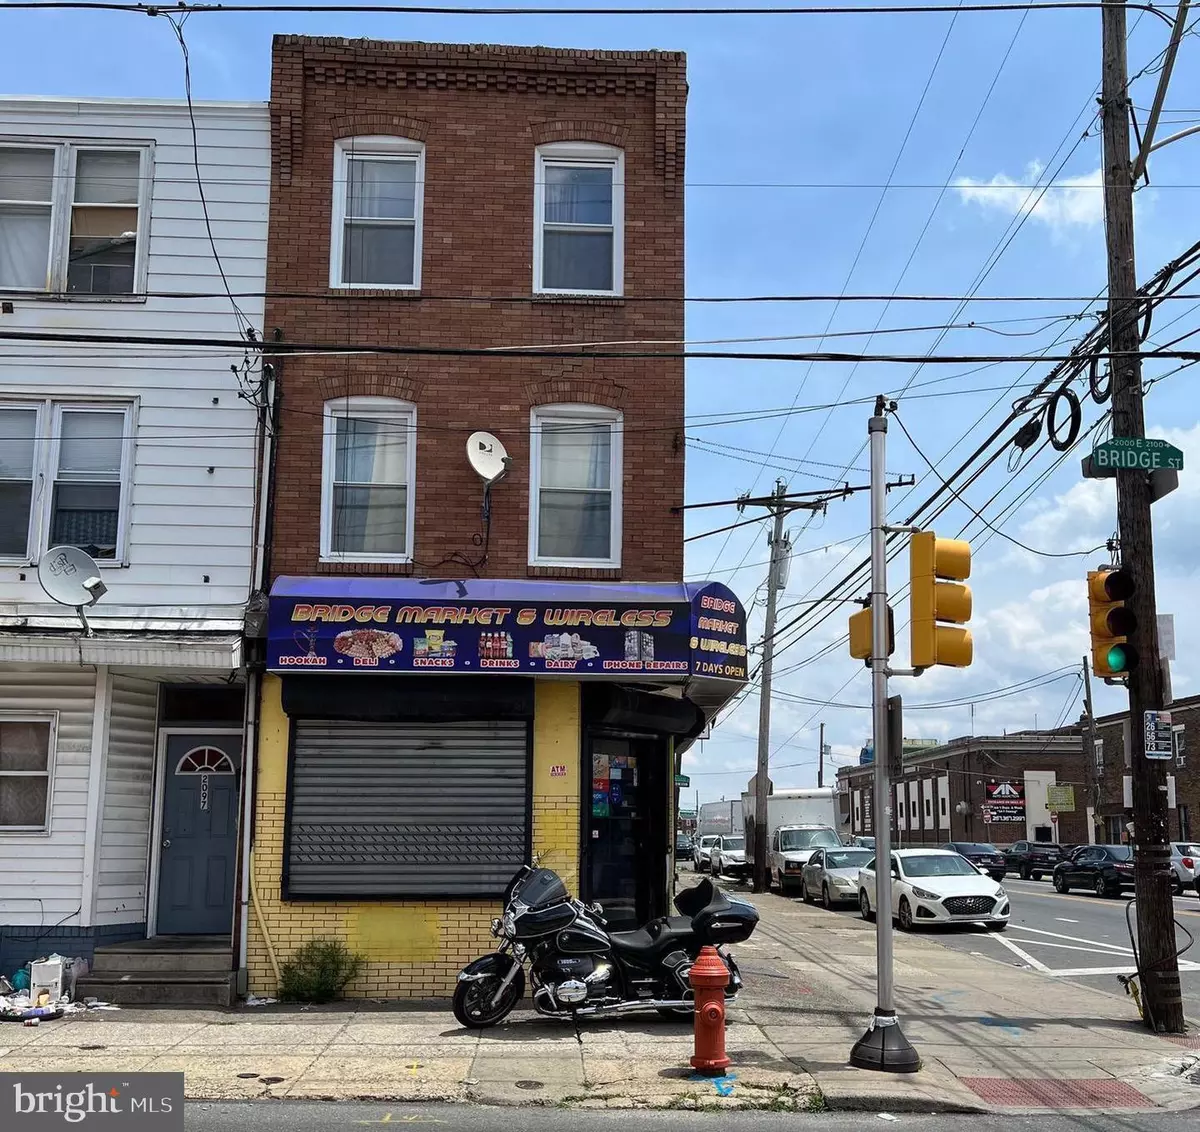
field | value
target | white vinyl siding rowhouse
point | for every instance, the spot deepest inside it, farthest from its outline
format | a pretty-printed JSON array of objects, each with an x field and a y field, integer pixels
[{"x": 145, "y": 456}]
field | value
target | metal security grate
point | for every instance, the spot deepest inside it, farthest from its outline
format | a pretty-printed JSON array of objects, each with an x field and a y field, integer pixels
[
  {"x": 1042, "y": 1092},
  {"x": 969, "y": 905}
]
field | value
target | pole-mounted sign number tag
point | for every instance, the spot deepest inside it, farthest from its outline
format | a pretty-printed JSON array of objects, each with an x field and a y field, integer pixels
[
  {"x": 1137, "y": 452},
  {"x": 1158, "y": 735}
]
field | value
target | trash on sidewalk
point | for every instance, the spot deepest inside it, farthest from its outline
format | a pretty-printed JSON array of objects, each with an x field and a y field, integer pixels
[{"x": 255, "y": 1000}]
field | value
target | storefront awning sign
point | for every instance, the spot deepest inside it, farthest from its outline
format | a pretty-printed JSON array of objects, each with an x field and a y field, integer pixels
[{"x": 513, "y": 627}]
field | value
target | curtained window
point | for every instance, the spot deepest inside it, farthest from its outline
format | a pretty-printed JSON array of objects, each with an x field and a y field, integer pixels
[
  {"x": 378, "y": 190},
  {"x": 579, "y": 209},
  {"x": 575, "y": 496},
  {"x": 92, "y": 250},
  {"x": 367, "y": 479}
]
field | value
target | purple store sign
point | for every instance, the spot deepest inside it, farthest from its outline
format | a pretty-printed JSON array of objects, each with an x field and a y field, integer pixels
[{"x": 514, "y": 627}]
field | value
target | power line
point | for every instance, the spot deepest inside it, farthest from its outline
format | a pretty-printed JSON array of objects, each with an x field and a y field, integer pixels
[
  {"x": 432, "y": 10},
  {"x": 285, "y": 349},
  {"x": 862, "y": 244},
  {"x": 985, "y": 521}
]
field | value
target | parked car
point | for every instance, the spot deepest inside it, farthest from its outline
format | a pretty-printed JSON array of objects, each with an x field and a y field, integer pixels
[
  {"x": 728, "y": 856},
  {"x": 986, "y": 858},
  {"x": 1105, "y": 869},
  {"x": 863, "y": 842},
  {"x": 700, "y": 851},
  {"x": 936, "y": 886},
  {"x": 832, "y": 875},
  {"x": 791, "y": 848},
  {"x": 1032, "y": 859},
  {"x": 1185, "y": 864},
  {"x": 683, "y": 846}
]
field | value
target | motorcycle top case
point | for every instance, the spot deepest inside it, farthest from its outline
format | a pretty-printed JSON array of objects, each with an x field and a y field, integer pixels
[
  {"x": 733, "y": 923},
  {"x": 715, "y": 917}
]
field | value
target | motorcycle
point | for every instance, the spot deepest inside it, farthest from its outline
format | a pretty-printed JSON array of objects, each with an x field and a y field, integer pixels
[{"x": 577, "y": 967}]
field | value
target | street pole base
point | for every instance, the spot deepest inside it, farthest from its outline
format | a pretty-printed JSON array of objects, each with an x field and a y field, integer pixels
[{"x": 885, "y": 1048}]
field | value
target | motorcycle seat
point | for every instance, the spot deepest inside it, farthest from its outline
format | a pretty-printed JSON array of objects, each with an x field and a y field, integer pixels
[{"x": 657, "y": 938}]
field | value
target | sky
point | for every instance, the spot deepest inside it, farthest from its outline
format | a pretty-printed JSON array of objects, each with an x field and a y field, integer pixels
[{"x": 858, "y": 154}]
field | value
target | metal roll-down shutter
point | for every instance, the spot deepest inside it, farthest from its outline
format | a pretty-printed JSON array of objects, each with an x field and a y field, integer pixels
[{"x": 407, "y": 809}]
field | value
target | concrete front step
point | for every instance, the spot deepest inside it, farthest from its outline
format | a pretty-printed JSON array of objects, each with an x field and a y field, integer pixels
[
  {"x": 158, "y": 988},
  {"x": 128, "y": 959}
]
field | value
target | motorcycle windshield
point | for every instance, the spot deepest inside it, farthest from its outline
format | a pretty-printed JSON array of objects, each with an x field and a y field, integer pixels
[{"x": 540, "y": 888}]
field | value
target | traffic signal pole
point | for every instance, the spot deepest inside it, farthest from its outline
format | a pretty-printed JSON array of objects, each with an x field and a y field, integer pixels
[
  {"x": 884, "y": 1045},
  {"x": 1152, "y": 873}
]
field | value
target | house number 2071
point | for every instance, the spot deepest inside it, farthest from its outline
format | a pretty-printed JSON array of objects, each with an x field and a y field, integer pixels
[{"x": 204, "y": 791}]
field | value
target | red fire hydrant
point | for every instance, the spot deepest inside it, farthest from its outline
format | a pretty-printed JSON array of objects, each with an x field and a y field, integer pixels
[{"x": 709, "y": 978}]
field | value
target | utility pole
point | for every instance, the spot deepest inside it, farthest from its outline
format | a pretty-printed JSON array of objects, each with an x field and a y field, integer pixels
[
  {"x": 1092, "y": 772},
  {"x": 761, "y": 873},
  {"x": 821, "y": 758},
  {"x": 884, "y": 1045},
  {"x": 1156, "y": 926}
]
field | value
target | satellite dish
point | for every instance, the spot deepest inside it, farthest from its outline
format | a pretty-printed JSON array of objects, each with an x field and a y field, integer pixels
[
  {"x": 488, "y": 456},
  {"x": 71, "y": 577}
]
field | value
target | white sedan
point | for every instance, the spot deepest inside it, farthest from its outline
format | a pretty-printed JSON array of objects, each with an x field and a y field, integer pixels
[{"x": 936, "y": 886}]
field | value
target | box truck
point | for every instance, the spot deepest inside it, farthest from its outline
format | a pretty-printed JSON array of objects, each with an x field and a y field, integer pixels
[{"x": 798, "y": 822}]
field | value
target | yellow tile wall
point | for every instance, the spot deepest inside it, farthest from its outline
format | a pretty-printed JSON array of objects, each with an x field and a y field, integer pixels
[{"x": 414, "y": 948}]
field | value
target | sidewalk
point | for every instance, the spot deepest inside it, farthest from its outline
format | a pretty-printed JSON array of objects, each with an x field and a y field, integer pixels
[{"x": 992, "y": 1038}]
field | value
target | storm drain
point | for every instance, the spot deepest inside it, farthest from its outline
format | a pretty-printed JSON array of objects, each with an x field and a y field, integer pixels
[
  {"x": 529, "y": 1085},
  {"x": 1046, "y": 1092}
]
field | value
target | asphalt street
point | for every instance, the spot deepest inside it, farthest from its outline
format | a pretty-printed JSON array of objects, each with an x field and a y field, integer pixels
[
  {"x": 305, "y": 1116},
  {"x": 1079, "y": 937}
]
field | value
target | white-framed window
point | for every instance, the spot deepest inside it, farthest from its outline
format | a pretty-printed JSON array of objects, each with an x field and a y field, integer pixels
[
  {"x": 368, "y": 469},
  {"x": 575, "y": 486},
  {"x": 65, "y": 473},
  {"x": 26, "y": 772},
  {"x": 579, "y": 219},
  {"x": 73, "y": 217},
  {"x": 378, "y": 201}
]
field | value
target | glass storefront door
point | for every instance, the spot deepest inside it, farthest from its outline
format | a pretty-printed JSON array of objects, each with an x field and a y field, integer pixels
[{"x": 625, "y": 840}]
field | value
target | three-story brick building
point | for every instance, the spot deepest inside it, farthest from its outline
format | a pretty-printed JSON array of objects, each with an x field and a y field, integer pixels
[{"x": 474, "y": 660}]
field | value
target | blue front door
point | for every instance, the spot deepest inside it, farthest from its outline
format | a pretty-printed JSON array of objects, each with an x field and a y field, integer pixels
[{"x": 199, "y": 834}]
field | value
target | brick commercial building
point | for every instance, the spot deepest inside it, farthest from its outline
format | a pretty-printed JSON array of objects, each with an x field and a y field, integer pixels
[
  {"x": 463, "y": 653},
  {"x": 1113, "y": 775},
  {"x": 987, "y": 789}
]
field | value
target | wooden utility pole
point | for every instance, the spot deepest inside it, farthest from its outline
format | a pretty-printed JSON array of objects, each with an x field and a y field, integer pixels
[
  {"x": 1152, "y": 874},
  {"x": 821, "y": 758},
  {"x": 760, "y": 831}
]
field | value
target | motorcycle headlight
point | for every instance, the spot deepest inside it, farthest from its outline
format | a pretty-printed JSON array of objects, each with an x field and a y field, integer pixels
[
  {"x": 509, "y": 925},
  {"x": 497, "y": 926},
  {"x": 519, "y": 952},
  {"x": 925, "y": 894}
]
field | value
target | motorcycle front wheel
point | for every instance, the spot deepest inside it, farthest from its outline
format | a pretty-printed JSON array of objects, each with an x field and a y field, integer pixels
[{"x": 473, "y": 1005}]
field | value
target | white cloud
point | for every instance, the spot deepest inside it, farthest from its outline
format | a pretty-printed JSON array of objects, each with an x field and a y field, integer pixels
[{"x": 1072, "y": 202}]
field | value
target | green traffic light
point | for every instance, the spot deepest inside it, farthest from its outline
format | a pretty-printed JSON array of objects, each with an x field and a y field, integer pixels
[{"x": 1117, "y": 659}]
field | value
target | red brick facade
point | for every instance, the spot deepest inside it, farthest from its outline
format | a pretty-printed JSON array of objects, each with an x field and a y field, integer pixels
[{"x": 480, "y": 112}]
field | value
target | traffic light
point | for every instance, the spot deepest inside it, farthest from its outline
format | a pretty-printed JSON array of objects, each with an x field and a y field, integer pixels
[
  {"x": 1111, "y": 622},
  {"x": 933, "y": 601},
  {"x": 861, "y": 638}
]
